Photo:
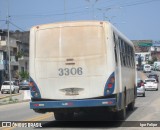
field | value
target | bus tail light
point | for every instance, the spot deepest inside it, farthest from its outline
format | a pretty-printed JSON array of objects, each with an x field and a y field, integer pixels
[
  {"x": 32, "y": 86},
  {"x": 111, "y": 82},
  {"x": 34, "y": 89},
  {"x": 109, "y": 87}
]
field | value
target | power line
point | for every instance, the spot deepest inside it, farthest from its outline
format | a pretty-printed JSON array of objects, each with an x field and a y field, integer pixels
[
  {"x": 139, "y": 2},
  {"x": 16, "y": 26},
  {"x": 133, "y": 3},
  {"x": 13, "y": 24},
  {"x": 76, "y": 13}
]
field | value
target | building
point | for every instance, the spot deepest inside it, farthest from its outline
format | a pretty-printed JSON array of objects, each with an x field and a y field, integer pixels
[
  {"x": 142, "y": 45},
  {"x": 142, "y": 51},
  {"x": 3, "y": 66},
  {"x": 155, "y": 50},
  {"x": 19, "y": 54},
  {"x": 144, "y": 57},
  {"x": 23, "y": 49}
]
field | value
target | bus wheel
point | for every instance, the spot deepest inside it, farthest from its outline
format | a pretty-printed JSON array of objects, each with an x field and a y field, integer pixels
[
  {"x": 131, "y": 106},
  {"x": 63, "y": 116},
  {"x": 121, "y": 115}
]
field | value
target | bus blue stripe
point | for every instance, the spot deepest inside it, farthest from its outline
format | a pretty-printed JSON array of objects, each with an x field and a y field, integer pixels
[{"x": 73, "y": 103}]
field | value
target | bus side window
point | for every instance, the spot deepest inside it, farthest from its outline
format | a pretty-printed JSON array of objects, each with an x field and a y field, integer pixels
[
  {"x": 115, "y": 48},
  {"x": 123, "y": 52},
  {"x": 120, "y": 50}
]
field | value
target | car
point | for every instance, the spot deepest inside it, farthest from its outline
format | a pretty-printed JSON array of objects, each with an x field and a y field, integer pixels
[
  {"x": 158, "y": 68},
  {"x": 152, "y": 67},
  {"x": 24, "y": 85},
  {"x": 150, "y": 83},
  {"x": 140, "y": 88},
  {"x": 17, "y": 81},
  {"x": 147, "y": 68},
  {"x": 6, "y": 87},
  {"x": 155, "y": 76}
]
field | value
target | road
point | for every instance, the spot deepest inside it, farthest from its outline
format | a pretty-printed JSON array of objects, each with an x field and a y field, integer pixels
[{"x": 146, "y": 109}]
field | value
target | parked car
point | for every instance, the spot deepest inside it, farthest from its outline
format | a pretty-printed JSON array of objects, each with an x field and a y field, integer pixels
[
  {"x": 151, "y": 83},
  {"x": 158, "y": 68},
  {"x": 155, "y": 76},
  {"x": 6, "y": 87},
  {"x": 24, "y": 85},
  {"x": 140, "y": 88},
  {"x": 17, "y": 81}
]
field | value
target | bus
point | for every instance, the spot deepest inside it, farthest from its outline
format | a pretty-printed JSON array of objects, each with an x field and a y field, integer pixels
[{"x": 81, "y": 66}]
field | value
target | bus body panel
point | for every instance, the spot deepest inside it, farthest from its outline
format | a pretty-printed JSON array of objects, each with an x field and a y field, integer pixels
[
  {"x": 79, "y": 71},
  {"x": 71, "y": 67},
  {"x": 89, "y": 82}
]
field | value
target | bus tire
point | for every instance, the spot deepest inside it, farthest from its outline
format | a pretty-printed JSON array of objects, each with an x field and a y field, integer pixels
[
  {"x": 59, "y": 116},
  {"x": 121, "y": 115},
  {"x": 131, "y": 106}
]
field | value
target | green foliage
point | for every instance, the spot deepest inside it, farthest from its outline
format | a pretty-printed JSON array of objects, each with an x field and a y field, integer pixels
[
  {"x": 150, "y": 62},
  {"x": 24, "y": 75},
  {"x": 153, "y": 60},
  {"x": 19, "y": 54}
]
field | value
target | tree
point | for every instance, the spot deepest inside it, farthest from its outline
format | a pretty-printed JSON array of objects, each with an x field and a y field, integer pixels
[
  {"x": 24, "y": 75},
  {"x": 153, "y": 60}
]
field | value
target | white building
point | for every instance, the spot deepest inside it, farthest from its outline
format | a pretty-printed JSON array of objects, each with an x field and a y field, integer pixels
[
  {"x": 145, "y": 57},
  {"x": 18, "y": 63}
]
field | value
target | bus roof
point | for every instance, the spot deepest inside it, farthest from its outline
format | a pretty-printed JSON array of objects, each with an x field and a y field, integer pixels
[{"x": 91, "y": 22}]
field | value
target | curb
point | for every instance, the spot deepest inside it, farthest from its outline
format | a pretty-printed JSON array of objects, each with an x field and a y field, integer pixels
[
  {"x": 9, "y": 95},
  {"x": 8, "y": 103}
]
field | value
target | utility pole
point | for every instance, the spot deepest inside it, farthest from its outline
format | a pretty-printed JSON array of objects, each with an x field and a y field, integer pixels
[
  {"x": 65, "y": 10},
  {"x": 8, "y": 48}
]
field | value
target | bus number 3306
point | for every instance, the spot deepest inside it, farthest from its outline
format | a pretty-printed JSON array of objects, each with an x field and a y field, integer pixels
[{"x": 70, "y": 71}]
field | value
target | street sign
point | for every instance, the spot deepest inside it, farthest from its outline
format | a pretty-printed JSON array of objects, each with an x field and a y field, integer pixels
[{"x": 144, "y": 44}]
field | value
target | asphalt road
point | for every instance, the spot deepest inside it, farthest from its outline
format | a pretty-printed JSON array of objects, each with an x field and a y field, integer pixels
[{"x": 146, "y": 109}]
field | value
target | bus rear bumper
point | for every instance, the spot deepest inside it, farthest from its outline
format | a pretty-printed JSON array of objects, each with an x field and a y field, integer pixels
[{"x": 73, "y": 103}]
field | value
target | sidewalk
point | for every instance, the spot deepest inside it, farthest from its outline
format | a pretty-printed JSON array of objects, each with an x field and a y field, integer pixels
[{"x": 15, "y": 98}]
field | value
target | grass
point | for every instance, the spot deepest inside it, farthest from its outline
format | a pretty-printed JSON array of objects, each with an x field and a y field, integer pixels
[{"x": 9, "y": 101}]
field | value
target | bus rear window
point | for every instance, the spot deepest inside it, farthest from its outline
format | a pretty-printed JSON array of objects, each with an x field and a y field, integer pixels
[{"x": 69, "y": 41}]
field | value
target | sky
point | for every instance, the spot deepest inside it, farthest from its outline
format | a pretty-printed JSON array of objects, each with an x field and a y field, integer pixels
[{"x": 137, "y": 19}]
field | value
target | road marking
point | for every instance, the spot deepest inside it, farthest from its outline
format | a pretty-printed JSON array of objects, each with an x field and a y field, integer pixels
[
  {"x": 41, "y": 117},
  {"x": 37, "y": 118}
]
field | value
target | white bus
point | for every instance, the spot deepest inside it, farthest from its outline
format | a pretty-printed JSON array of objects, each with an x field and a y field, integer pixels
[{"x": 79, "y": 67}]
